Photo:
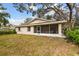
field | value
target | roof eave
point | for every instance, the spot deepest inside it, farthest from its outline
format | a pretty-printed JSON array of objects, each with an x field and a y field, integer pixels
[{"x": 56, "y": 22}]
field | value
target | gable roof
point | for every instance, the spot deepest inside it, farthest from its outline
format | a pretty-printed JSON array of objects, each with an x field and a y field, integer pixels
[{"x": 41, "y": 21}]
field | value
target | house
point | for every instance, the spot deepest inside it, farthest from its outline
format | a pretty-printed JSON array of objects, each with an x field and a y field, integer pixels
[{"x": 42, "y": 27}]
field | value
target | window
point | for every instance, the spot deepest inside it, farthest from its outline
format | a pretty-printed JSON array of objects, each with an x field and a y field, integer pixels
[
  {"x": 19, "y": 29},
  {"x": 28, "y": 28}
]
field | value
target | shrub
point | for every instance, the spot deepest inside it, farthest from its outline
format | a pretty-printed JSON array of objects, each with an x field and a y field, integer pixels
[
  {"x": 7, "y": 32},
  {"x": 73, "y": 35}
]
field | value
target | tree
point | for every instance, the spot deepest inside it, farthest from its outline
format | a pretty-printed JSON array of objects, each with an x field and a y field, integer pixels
[
  {"x": 29, "y": 7},
  {"x": 40, "y": 13},
  {"x": 5, "y": 22},
  {"x": 77, "y": 15},
  {"x": 3, "y": 16},
  {"x": 46, "y": 7},
  {"x": 59, "y": 13},
  {"x": 70, "y": 6},
  {"x": 27, "y": 20},
  {"x": 49, "y": 17},
  {"x": 70, "y": 22}
]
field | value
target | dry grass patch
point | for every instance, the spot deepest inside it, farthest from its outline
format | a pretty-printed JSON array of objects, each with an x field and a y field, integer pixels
[{"x": 35, "y": 45}]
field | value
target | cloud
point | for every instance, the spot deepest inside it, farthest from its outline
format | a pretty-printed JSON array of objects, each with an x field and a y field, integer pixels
[
  {"x": 3, "y": 11},
  {"x": 16, "y": 21}
]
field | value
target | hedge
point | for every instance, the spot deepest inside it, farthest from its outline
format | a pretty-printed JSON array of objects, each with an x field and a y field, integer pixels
[
  {"x": 73, "y": 35},
  {"x": 7, "y": 32}
]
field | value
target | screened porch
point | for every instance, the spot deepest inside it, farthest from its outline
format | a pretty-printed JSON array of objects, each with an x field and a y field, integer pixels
[{"x": 49, "y": 29}]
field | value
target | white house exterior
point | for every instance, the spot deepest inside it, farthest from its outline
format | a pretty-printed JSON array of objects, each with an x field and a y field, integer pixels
[{"x": 42, "y": 27}]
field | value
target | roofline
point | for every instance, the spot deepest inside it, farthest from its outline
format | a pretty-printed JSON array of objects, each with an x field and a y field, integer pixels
[
  {"x": 44, "y": 23},
  {"x": 37, "y": 19}
]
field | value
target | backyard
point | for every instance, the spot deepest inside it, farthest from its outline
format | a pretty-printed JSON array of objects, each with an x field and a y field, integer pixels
[{"x": 28, "y": 45}]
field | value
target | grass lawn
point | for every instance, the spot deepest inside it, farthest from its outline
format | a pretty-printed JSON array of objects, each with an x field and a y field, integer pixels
[{"x": 16, "y": 45}]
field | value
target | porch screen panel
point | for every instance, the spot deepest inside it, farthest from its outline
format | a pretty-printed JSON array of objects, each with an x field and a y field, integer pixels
[
  {"x": 44, "y": 28},
  {"x": 35, "y": 31},
  {"x": 54, "y": 28}
]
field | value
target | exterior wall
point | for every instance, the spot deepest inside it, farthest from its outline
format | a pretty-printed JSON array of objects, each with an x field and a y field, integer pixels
[{"x": 23, "y": 30}]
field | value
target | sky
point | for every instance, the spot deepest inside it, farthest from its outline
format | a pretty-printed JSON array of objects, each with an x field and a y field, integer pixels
[{"x": 16, "y": 16}]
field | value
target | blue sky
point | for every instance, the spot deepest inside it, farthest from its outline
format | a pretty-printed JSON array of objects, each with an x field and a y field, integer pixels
[{"x": 16, "y": 16}]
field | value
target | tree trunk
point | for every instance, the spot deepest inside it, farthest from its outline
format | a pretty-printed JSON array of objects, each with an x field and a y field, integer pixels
[{"x": 70, "y": 22}]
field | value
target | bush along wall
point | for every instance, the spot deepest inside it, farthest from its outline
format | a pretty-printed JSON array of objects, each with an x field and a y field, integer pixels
[
  {"x": 73, "y": 35},
  {"x": 7, "y": 32}
]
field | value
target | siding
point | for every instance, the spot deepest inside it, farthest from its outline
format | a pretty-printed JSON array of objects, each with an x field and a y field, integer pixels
[{"x": 23, "y": 30}]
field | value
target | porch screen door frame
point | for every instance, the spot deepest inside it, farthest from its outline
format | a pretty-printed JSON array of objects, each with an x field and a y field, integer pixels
[{"x": 38, "y": 28}]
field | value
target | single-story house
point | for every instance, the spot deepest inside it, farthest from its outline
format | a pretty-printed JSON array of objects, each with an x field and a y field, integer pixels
[{"x": 42, "y": 27}]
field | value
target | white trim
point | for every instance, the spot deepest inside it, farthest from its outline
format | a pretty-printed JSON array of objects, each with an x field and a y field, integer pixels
[
  {"x": 44, "y": 34},
  {"x": 60, "y": 29}
]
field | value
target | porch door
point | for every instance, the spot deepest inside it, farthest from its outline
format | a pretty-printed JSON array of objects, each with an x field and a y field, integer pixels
[{"x": 38, "y": 29}]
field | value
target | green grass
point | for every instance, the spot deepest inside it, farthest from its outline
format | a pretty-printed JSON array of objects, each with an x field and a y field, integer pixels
[{"x": 28, "y": 45}]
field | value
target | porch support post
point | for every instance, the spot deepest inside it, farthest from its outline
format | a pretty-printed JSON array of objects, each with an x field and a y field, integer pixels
[
  {"x": 40, "y": 29},
  {"x": 49, "y": 28},
  {"x": 60, "y": 29},
  {"x": 32, "y": 29}
]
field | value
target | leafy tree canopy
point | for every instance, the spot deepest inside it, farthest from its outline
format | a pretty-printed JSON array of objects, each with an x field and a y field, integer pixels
[{"x": 3, "y": 16}]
